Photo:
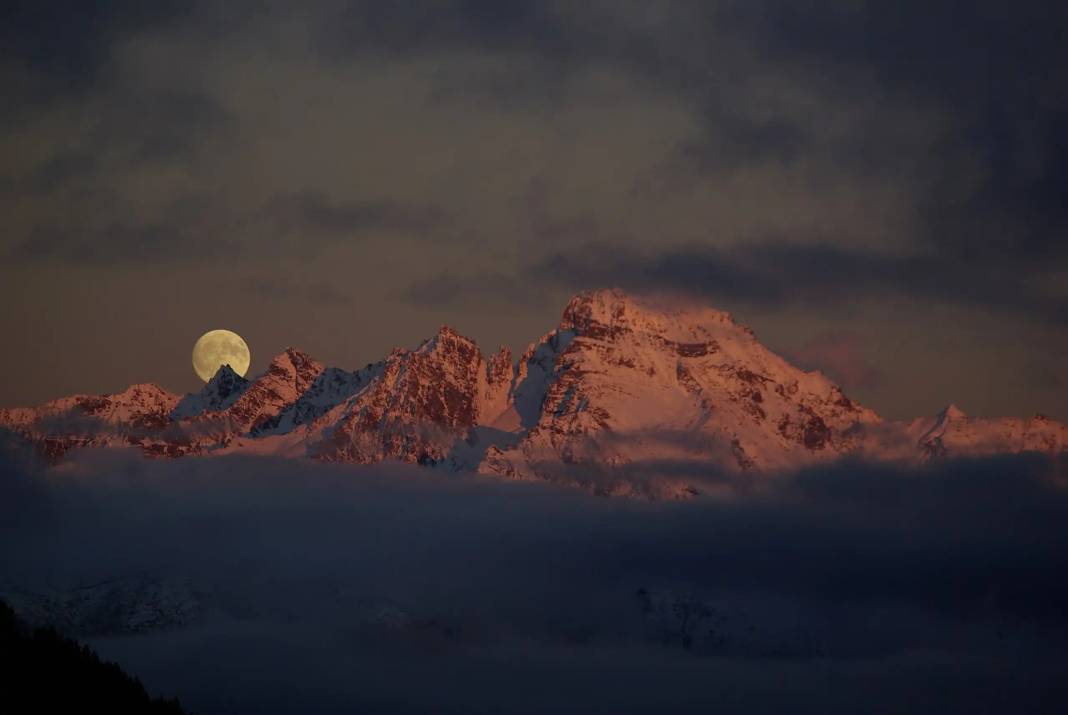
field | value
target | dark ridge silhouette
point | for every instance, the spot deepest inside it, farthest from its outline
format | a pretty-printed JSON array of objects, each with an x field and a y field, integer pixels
[{"x": 43, "y": 671}]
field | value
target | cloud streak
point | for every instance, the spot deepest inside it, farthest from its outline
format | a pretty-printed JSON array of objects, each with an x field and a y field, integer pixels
[
  {"x": 840, "y": 355},
  {"x": 310, "y": 211},
  {"x": 774, "y": 273}
]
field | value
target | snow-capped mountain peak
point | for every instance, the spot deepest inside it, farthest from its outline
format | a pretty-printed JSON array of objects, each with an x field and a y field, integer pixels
[
  {"x": 627, "y": 395},
  {"x": 220, "y": 392},
  {"x": 952, "y": 412},
  {"x": 624, "y": 381},
  {"x": 612, "y": 311}
]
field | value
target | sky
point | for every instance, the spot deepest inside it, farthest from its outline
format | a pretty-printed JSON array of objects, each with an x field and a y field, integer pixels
[
  {"x": 878, "y": 189},
  {"x": 314, "y": 588}
]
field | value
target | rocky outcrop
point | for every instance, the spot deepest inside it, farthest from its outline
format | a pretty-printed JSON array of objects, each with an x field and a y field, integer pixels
[
  {"x": 650, "y": 390},
  {"x": 626, "y": 396},
  {"x": 419, "y": 404}
]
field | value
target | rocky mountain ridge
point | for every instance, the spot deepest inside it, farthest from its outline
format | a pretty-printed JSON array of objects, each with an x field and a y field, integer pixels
[{"x": 625, "y": 396}]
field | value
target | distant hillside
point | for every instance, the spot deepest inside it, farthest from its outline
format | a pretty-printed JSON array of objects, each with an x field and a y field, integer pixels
[{"x": 43, "y": 672}]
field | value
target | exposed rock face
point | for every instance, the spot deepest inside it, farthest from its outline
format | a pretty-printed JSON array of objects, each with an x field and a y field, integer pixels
[
  {"x": 953, "y": 432},
  {"x": 641, "y": 388},
  {"x": 134, "y": 416},
  {"x": 219, "y": 393},
  {"x": 626, "y": 396},
  {"x": 421, "y": 403},
  {"x": 332, "y": 387},
  {"x": 287, "y": 378}
]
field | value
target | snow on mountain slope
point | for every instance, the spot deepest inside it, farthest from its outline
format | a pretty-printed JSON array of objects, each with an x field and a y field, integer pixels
[
  {"x": 221, "y": 391},
  {"x": 122, "y": 606},
  {"x": 288, "y": 377},
  {"x": 627, "y": 395},
  {"x": 144, "y": 405},
  {"x": 952, "y": 432},
  {"x": 418, "y": 406},
  {"x": 120, "y": 418},
  {"x": 624, "y": 383},
  {"x": 254, "y": 407},
  {"x": 331, "y": 387}
]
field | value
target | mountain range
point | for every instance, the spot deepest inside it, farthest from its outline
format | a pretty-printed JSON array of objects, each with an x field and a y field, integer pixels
[{"x": 626, "y": 396}]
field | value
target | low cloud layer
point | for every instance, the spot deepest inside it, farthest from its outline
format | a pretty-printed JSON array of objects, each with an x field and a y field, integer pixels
[{"x": 327, "y": 588}]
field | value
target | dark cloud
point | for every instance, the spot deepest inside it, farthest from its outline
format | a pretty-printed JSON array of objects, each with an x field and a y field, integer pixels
[
  {"x": 738, "y": 141},
  {"x": 117, "y": 243},
  {"x": 187, "y": 230},
  {"x": 301, "y": 212},
  {"x": 995, "y": 72},
  {"x": 304, "y": 576},
  {"x": 550, "y": 229},
  {"x": 479, "y": 25},
  {"x": 162, "y": 126},
  {"x": 197, "y": 229},
  {"x": 59, "y": 171},
  {"x": 452, "y": 288},
  {"x": 71, "y": 41},
  {"x": 771, "y": 153},
  {"x": 1044, "y": 377},
  {"x": 279, "y": 288},
  {"x": 135, "y": 132},
  {"x": 787, "y": 273},
  {"x": 841, "y": 355}
]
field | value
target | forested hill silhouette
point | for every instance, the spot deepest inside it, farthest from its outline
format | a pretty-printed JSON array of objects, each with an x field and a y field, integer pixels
[{"x": 43, "y": 671}]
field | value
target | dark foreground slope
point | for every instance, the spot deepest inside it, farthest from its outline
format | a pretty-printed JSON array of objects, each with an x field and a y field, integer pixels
[{"x": 41, "y": 671}]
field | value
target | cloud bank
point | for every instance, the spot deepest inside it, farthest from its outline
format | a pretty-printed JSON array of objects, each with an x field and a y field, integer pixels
[{"x": 328, "y": 588}]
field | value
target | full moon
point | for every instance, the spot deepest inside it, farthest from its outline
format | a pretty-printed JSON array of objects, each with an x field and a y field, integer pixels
[{"x": 216, "y": 348}]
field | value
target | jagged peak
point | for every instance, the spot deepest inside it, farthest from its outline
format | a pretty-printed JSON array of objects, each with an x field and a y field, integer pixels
[
  {"x": 225, "y": 372},
  {"x": 499, "y": 366},
  {"x": 293, "y": 357},
  {"x": 445, "y": 331},
  {"x": 618, "y": 364},
  {"x": 294, "y": 353},
  {"x": 223, "y": 382},
  {"x": 224, "y": 387},
  {"x": 446, "y": 335},
  {"x": 142, "y": 388},
  {"x": 952, "y": 412}
]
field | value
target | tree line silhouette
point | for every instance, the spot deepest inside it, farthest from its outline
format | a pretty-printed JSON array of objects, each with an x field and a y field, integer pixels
[{"x": 42, "y": 671}]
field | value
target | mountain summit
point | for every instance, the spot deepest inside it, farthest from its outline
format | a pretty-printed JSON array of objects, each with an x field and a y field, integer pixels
[{"x": 627, "y": 395}]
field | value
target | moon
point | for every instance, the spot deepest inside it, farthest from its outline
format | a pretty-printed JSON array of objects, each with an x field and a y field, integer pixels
[{"x": 216, "y": 348}]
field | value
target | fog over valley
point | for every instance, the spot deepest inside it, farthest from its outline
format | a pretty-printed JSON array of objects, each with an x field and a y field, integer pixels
[{"x": 272, "y": 585}]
